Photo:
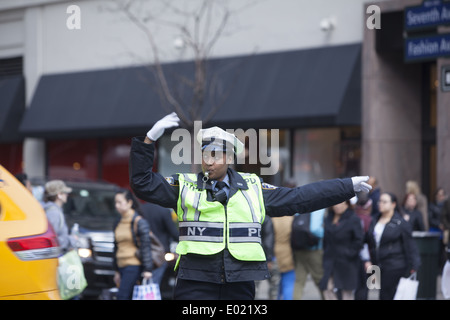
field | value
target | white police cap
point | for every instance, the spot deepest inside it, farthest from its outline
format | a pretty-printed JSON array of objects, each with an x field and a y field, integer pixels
[{"x": 216, "y": 136}]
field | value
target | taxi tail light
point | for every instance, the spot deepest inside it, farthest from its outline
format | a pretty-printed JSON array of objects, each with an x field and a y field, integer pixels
[{"x": 41, "y": 246}]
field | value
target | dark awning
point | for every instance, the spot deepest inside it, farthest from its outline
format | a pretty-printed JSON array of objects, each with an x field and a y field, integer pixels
[
  {"x": 12, "y": 107},
  {"x": 315, "y": 87},
  {"x": 307, "y": 88}
]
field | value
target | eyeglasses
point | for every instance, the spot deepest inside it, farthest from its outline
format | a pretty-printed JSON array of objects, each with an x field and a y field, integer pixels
[{"x": 384, "y": 201}]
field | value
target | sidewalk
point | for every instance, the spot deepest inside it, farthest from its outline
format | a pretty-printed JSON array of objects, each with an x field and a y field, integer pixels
[{"x": 312, "y": 293}]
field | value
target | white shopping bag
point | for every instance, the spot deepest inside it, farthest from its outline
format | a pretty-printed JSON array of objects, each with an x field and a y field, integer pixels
[
  {"x": 407, "y": 288},
  {"x": 445, "y": 280},
  {"x": 148, "y": 290}
]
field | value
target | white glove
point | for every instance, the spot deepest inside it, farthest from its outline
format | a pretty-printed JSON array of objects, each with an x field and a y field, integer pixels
[
  {"x": 359, "y": 184},
  {"x": 157, "y": 130}
]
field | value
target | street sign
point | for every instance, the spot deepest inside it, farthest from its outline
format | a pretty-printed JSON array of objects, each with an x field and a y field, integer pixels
[
  {"x": 430, "y": 14},
  {"x": 427, "y": 47}
]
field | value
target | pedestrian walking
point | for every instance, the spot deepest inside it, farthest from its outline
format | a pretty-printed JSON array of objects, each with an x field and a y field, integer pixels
[
  {"x": 220, "y": 212},
  {"x": 412, "y": 186},
  {"x": 55, "y": 196},
  {"x": 132, "y": 258},
  {"x": 309, "y": 259},
  {"x": 282, "y": 227},
  {"x": 363, "y": 209},
  {"x": 342, "y": 243},
  {"x": 391, "y": 246},
  {"x": 411, "y": 213},
  {"x": 435, "y": 209},
  {"x": 164, "y": 228}
]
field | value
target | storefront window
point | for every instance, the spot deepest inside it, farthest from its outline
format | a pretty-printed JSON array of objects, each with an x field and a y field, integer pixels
[
  {"x": 325, "y": 154},
  {"x": 11, "y": 157},
  {"x": 114, "y": 164},
  {"x": 267, "y": 154},
  {"x": 166, "y": 166},
  {"x": 314, "y": 155},
  {"x": 73, "y": 159}
]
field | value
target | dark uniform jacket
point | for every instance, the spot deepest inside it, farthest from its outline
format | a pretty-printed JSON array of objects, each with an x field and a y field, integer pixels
[{"x": 279, "y": 201}]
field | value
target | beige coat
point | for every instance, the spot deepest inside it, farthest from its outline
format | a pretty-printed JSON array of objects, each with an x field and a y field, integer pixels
[{"x": 282, "y": 227}]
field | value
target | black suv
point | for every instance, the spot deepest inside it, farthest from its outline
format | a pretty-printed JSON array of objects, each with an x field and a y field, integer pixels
[{"x": 90, "y": 212}]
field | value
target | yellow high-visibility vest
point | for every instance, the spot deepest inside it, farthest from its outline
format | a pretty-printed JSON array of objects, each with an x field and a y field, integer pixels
[{"x": 208, "y": 227}]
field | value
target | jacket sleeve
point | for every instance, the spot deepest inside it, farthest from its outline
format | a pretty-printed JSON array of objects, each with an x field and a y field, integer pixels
[
  {"x": 282, "y": 201},
  {"x": 145, "y": 247},
  {"x": 148, "y": 185},
  {"x": 268, "y": 239},
  {"x": 411, "y": 249},
  {"x": 115, "y": 266},
  {"x": 358, "y": 236}
]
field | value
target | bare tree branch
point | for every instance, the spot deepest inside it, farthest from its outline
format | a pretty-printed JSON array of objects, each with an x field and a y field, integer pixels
[
  {"x": 157, "y": 64},
  {"x": 200, "y": 31}
]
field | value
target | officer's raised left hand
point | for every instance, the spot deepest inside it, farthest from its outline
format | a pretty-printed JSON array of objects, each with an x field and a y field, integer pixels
[
  {"x": 169, "y": 121},
  {"x": 359, "y": 184}
]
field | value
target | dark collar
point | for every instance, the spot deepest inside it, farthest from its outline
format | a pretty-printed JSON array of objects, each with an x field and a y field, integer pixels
[{"x": 236, "y": 181}]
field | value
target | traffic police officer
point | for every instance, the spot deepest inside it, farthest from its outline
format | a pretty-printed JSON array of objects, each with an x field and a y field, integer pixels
[{"x": 220, "y": 212}]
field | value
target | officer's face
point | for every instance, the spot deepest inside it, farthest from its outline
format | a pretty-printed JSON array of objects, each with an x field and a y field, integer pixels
[{"x": 216, "y": 163}]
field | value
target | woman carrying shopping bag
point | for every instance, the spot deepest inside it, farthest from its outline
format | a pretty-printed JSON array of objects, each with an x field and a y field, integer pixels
[
  {"x": 391, "y": 245},
  {"x": 71, "y": 278},
  {"x": 130, "y": 262}
]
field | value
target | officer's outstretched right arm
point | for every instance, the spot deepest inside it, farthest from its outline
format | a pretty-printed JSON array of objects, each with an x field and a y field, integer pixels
[{"x": 146, "y": 184}]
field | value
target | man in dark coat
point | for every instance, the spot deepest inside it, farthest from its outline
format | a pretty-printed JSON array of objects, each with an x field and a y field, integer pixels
[
  {"x": 163, "y": 227},
  {"x": 161, "y": 223}
]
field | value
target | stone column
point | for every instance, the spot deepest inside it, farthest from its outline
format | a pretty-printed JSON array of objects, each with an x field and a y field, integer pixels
[
  {"x": 391, "y": 113},
  {"x": 443, "y": 131},
  {"x": 33, "y": 149}
]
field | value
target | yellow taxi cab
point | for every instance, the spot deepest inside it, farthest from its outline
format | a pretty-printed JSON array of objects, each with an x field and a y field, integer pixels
[{"x": 29, "y": 247}]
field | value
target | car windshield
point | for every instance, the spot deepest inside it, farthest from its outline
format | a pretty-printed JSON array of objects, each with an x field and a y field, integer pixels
[{"x": 91, "y": 208}]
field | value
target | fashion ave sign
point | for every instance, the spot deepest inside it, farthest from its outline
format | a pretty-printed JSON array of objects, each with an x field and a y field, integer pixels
[{"x": 427, "y": 48}]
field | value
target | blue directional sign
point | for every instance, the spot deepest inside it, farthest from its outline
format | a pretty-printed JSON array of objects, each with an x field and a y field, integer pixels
[
  {"x": 427, "y": 47},
  {"x": 430, "y": 14}
]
